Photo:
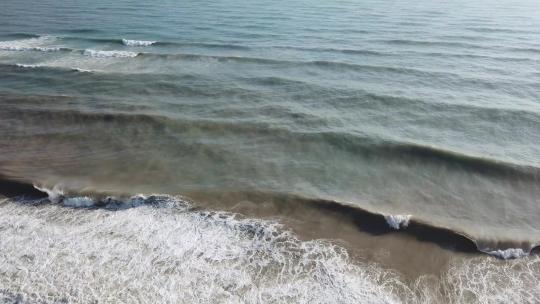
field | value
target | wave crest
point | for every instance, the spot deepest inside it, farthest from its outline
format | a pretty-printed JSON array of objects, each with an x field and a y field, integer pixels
[
  {"x": 399, "y": 221},
  {"x": 109, "y": 54},
  {"x": 128, "y": 42}
]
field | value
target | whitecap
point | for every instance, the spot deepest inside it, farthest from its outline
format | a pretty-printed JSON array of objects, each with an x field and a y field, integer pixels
[
  {"x": 397, "y": 221},
  {"x": 29, "y": 66},
  {"x": 108, "y": 54},
  {"x": 128, "y": 42},
  {"x": 510, "y": 253}
]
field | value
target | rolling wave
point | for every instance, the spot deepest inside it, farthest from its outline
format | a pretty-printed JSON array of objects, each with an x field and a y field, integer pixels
[
  {"x": 373, "y": 222},
  {"x": 47, "y": 68},
  {"x": 21, "y": 35},
  {"x": 359, "y": 145}
]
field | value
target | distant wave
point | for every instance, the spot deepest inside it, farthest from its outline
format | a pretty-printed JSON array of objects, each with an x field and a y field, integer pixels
[
  {"x": 351, "y": 51},
  {"x": 109, "y": 54},
  {"x": 433, "y": 43},
  {"x": 369, "y": 221},
  {"x": 30, "y": 66},
  {"x": 322, "y": 64},
  {"x": 128, "y": 42},
  {"x": 25, "y": 48},
  {"x": 31, "y": 44}
]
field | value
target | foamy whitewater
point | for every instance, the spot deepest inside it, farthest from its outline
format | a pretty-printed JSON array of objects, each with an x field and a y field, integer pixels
[{"x": 65, "y": 252}]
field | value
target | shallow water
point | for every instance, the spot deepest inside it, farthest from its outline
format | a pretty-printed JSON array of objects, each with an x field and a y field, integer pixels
[{"x": 340, "y": 120}]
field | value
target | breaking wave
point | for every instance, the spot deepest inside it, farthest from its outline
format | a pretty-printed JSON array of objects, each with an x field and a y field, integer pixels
[
  {"x": 128, "y": 42},
  {"x": 367, "y": 220},
  {"x": 41, "y": 44},
  {"x": 398, "y": 221},
  {"x": 510, "y": 253}
]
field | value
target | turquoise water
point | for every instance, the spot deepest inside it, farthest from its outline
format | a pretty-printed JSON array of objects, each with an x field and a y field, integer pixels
[{"x": 426, "y": 110}]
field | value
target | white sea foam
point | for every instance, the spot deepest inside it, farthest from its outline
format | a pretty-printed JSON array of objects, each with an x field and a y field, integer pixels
[
  {"x": 487, "y": 280},
  {"x": 398, "y": 221},
  {"x": 128, "y": 42},
  {"x": 42, "y": 44},
  {"x": 510, "y": 253},
  {"x": 159, "y": 254},
  {"x": 108, "y": 54}
]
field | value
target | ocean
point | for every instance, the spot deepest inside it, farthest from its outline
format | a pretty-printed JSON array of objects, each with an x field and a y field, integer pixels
[{"x": 257, "y": 151}]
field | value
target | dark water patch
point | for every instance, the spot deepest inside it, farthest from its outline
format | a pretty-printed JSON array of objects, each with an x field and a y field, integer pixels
[
  {"x": 13, "y": 188},
  {"x": 20, "y": 35},
  {"x": 392, "y": 150},
  {"x": 82, "y": 30}
]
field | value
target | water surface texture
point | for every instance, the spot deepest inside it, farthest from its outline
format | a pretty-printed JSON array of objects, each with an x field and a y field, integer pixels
[{"x": 333, "y": 144}]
